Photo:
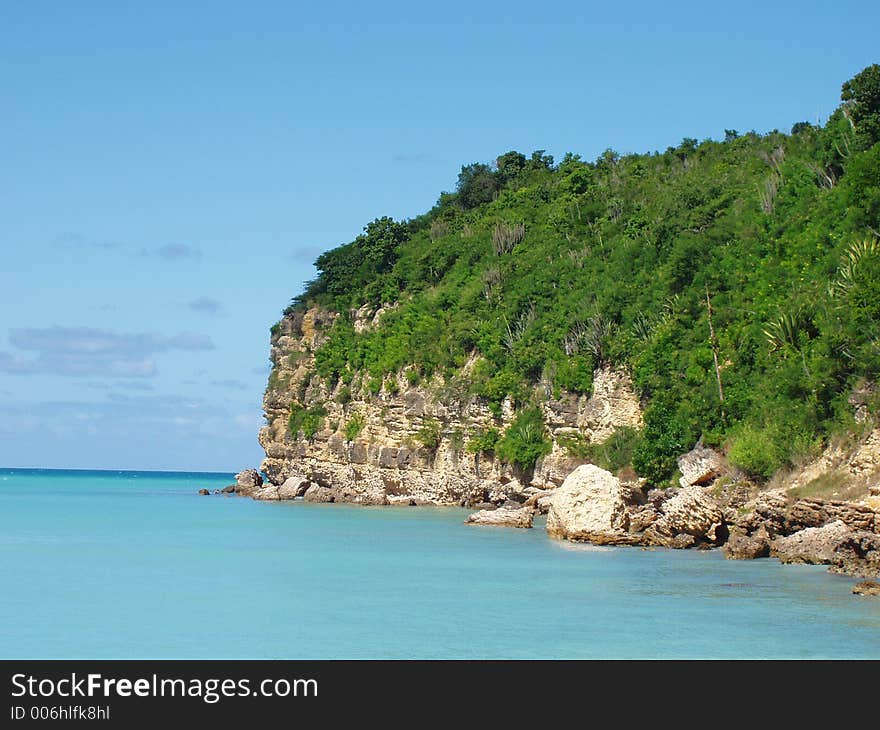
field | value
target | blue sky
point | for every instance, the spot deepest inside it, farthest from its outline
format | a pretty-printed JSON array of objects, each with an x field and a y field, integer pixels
[{"x": 170, "y": 171}]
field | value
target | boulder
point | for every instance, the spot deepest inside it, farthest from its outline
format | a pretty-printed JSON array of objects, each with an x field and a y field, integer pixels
[
  {"x": 741, "y": 546},
  {"x": 204, "y": 492},
  {"x": 502, "y": 517},
  {"x": 589, "y": 507},
  {"x": 228, "y": 489},
  {"x": 247, "y": 482},
  {"x": 540, "y": 501},
  {"x": 817, "y": 545},
  {"x": 767, "y": 510},
  {"x": 859, "y": 556},
  {"x": 642, "y": 517},
  {"x": 293, "y": 487},
  {"x": 551, "y": 470},
  {"x": 867, "y": 588},
  {"x": 812, "y": 512},
  {"x": 692, "y": 511},
  {"x": 317, "y": 493},
  {"x": 700, "y": 465},
  {"x": 401, "y": 499},
  {"x": 267, "y": 494}
]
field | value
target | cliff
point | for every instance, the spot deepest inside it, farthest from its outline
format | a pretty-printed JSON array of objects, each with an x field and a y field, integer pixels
[
  {"x": 409, "y": 443},
  {"x": 547, "y": 317}
]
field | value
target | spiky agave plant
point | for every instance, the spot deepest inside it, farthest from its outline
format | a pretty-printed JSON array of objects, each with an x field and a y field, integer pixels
[
  {"x": 783, "y": 333},
  {"x": 853, "y": 257}
]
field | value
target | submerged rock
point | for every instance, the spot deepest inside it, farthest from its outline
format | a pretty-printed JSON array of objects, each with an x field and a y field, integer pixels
[
  {"x": 867, "y": 588},
  {"x": 502, "y": 517}
]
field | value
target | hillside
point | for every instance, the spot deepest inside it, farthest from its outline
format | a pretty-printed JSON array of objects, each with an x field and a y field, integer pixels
[{"x": 735, "y": 286}]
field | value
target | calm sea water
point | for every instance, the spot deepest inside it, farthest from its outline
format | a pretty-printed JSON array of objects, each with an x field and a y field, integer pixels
[{"x": 137, "y": 565}]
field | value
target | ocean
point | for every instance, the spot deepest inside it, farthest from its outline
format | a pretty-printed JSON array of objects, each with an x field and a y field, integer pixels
[{"x": 137, "y": 565}]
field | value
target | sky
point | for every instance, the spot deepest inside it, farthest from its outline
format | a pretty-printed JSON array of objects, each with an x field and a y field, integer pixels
[{"x": 169, "y": 171}]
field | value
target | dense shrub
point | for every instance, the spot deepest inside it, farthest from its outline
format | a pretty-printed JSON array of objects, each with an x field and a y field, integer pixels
[
  {"x": 525, "y": 440},
  {"x": 307, "y": 420},
  {"x": 354, "y": 426}
]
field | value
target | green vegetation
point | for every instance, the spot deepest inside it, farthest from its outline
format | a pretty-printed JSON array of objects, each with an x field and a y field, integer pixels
[
  {"x": 354, "y": 426},
  {"x": 614, "y": 454},
  {"x": 484, "y": 442},
  {"x": 738, "y": 281},
  {"x": 429, "y": 434},
  {"x": 307, "y": 420},
  {"x": 525, "y": 440}
]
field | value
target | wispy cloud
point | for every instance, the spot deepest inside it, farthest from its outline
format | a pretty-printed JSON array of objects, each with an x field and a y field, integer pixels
[
  {"x": 76, "y": 241},
  {"x": 135, "y": 385},
  {"x": 173, "y": 252},
  {"x": 117, "y": 414},
  {"x": 84, "y": 351},
  {"x": 178, "y": 252},
  {"x": 236, "y": 384},
  {"x": 206, "y": 305}
]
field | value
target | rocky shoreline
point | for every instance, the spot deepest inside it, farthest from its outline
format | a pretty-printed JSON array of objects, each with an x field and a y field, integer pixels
[
  {"x": 411, "y": 440},
  {"x": 592, "y": 505}
]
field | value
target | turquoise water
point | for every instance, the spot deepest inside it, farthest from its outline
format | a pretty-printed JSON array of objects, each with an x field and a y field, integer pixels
[{"x": 137, "y": 565}]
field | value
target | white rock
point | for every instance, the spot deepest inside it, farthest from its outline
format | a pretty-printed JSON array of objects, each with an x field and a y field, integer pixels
[{"x": 589, "y": 507}]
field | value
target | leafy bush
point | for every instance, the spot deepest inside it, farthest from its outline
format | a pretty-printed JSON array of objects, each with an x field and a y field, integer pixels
[
  {"x": 429, "y": 434},
  {"x": 307, "y": 420},
  {"x": 525, "y": 440},
  {"x": 354, "y": 426},
  {"x": 483, "y": 442},
  {"x": 757, "y": 451}
]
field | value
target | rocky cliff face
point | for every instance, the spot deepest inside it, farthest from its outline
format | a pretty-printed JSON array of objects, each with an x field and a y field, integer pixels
[{"x": 370, "y": 447}]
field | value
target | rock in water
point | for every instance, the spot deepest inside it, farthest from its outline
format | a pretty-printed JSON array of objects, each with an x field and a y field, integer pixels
[
  {"x": 817, "y": 545},
  {"x": 203, "y": 491},
  {"x": 504, "y": 517},
  {"x": 692, "y": 511},
  {"x": 589, "y": 507},
  {"x": 293, "y": 487},
  {"x": 228, "y": 490},
  {"x": 267, "y": 494},
  {"x": 741, "y": 546},
  {"x": 316, "y": 493},
  {"x": 867, "y": 588},
  {"x": 247, "y": 482}
]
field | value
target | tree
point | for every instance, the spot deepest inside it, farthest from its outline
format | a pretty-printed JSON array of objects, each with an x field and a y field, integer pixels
[
  {"x": 509, "y": 165},
  {"x": 379, "y": 242},
  {"x": 477, "y": 184},
  {"x": 540, "y": 161},
  {"x": 861, "y": 97}
]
